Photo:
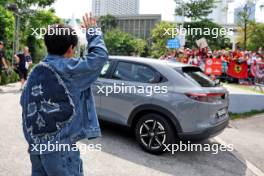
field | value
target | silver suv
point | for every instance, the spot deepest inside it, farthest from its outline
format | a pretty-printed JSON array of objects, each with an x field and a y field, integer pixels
[{"x": 188, "y": 106}]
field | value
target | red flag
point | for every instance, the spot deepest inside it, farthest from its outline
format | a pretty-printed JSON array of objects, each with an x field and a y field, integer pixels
[
  {"x": 213, "y": 66},
  {"x": 238, "y": 70}
]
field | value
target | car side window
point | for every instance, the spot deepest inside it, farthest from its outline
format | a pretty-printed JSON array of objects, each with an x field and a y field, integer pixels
[
  {"x": 134, "y": 72},
  {"x": 105, "y": 69}
]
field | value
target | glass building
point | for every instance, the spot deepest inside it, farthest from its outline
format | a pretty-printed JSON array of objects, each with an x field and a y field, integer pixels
[{"x": 115, "y": 7}]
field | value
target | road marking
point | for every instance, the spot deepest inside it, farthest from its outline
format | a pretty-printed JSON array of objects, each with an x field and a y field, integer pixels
[{"x": 247, "y": 163}]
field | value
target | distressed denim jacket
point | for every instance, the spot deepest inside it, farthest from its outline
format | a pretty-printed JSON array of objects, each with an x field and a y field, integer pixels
[{"x": 73, "y": 117}]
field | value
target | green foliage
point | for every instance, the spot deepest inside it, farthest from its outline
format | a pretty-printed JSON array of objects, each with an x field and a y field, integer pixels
[
  {"x": 216, "y": 40},
  {"x": 159, "y": 40},
  {"x": 9, "y": 78},
  {"x": 146, "y": 52},
  {"x": 121, "y": 43},
  {"x": 256, "y": 36},
  {"x": 215, "y": 37},
  {"x": 198, "y": 11},
  {"x": 236, "y": 116},
  {"x": 107, "y": 23},
  {"x": 40, "y": 19},
  {"x": 29, "y": 3},
  {"x": 195, "y": 9},
  {"x": 7, "y": 30},
  {"x": 3, "y": 2},
  {"x": 139, "y": 45},
  {"x": 244, "y": 21}
]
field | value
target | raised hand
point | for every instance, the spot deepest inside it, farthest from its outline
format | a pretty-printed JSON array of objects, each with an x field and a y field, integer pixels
[{"x": 89, "y": 21}]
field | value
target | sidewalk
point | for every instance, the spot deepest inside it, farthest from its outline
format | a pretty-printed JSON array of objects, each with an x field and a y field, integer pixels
[
  {"x": 247, "y": 136},
  {"x": 10, "y": 88}
]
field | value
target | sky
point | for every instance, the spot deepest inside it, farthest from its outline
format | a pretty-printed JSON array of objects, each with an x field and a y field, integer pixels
[{"x": 68, "y": 8}]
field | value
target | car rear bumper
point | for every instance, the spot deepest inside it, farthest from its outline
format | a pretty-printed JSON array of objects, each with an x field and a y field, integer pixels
[{"x": 207, "y": 133}]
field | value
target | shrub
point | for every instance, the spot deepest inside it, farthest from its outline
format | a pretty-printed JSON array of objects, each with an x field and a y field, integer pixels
[{"x": 11, "y": 77}]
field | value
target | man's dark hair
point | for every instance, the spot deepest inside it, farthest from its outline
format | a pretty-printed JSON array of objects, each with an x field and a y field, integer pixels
[{"x": 59, "y": 38}]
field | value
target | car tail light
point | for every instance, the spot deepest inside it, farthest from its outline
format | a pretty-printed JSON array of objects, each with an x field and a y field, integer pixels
[{"x": 206, "y": 97}]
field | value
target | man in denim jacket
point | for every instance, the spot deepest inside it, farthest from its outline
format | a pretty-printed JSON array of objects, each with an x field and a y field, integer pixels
[{"x": 58, "y": 107}]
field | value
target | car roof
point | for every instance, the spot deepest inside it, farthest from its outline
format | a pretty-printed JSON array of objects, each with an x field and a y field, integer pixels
[{"x": 149, "y": 61}]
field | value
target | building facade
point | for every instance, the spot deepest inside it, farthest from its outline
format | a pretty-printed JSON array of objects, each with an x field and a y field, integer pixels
[
  {"x": 219, "y": 14},
  {"x": 115, "y": 7},
  {"x": 139, "y": 26}
]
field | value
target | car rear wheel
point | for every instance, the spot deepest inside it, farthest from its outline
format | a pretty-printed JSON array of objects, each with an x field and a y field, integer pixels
[{"x": 153, "y": 132}]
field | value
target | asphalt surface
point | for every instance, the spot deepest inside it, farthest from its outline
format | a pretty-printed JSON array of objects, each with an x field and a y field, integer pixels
[
  {"x": 247, "y": 136},
  {"x": 121, "y": 156}
]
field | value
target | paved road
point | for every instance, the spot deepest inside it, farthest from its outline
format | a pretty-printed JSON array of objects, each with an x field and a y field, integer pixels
[
  {"x": 120, "y": 155},
  {"x": 247, "y": 135}
]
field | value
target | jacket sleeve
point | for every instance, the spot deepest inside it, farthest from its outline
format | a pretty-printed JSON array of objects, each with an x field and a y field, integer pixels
[{"x": 84, "y": 71}]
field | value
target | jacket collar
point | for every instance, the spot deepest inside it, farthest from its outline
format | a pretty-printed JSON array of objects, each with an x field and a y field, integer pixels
[{"x": 51, "y": 57}]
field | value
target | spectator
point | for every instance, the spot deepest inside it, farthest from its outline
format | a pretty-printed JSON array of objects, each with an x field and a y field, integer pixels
[
  {"x": 57, "y": 103},
  {"x": 3, "y": 63},
  {"x": 23, "y": 61}
]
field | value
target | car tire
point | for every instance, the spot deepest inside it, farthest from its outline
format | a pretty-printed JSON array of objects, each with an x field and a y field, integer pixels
[{"x": 153, "y": 132}]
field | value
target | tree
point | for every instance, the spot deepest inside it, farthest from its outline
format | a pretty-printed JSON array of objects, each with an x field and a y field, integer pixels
[
  {"x": 23, "y": 9},
  {"x": 159, "y": 38},
  {"x": 244, "y": 20},
  {"x": 28, "y": 3},
  {"x": 139, "y": 46},
  {"x": 255, "y": 36},
  {"x": 7, "y": 23},
  {"x": 31, "y": 19},
  {"x": 121, "y": 43},
  {"x": 107, "y": 22},
  {"x": 198, "y": 11},
  {"x": 212, "y": 32},
  {"x": 195, "y": 9},
  {"x": 40, "y": 19},
  {"x": 6, "y": 30}
]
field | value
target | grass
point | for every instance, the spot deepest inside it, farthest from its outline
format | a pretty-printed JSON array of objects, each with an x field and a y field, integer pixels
[{"x": 235, "y": 116}]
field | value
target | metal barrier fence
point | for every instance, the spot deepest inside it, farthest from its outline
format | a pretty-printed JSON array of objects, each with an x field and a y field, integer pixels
[{"x": 259, "y": 76}]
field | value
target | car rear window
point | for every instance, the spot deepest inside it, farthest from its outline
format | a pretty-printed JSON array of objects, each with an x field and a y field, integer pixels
[{"x": 196, "y": 75}]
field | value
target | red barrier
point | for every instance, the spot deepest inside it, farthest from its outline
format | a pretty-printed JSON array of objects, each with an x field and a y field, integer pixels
[{"x": 213, "y": 67}]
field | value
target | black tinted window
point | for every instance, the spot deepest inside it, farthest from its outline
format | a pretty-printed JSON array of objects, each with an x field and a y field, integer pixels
[
  {"x": 134, "y": 72},
  {"x": 198, "y": 77}
]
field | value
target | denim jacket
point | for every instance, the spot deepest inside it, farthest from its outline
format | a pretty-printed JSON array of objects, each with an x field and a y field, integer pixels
[{"x": 75, "y": 76}]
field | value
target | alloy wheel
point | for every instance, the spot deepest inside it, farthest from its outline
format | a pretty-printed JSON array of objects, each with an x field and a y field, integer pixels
[{"x": 152, "y": 134}]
